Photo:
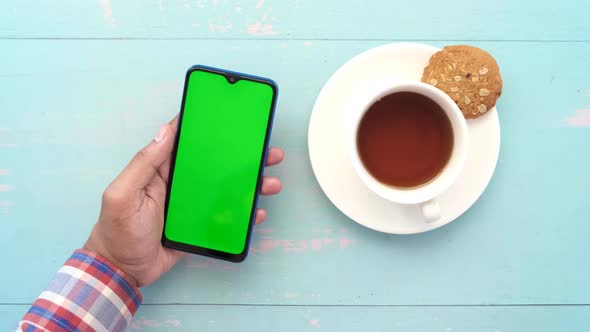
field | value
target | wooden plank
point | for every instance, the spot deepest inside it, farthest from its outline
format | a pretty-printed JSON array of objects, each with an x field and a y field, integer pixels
[
  {"x": 72, "y": 113},
  {"x": 300, "y": 19},
  {"x": 344, "y": 319}
]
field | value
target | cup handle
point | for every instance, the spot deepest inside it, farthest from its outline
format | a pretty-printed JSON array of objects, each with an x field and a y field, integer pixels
[{"x": 430, "y": 210}]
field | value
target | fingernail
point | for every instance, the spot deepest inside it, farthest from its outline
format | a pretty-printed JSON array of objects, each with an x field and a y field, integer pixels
[{"x": 161, "y": 135}]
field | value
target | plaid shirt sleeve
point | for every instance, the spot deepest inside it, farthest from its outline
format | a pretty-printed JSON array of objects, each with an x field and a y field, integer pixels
[{"x": 87, "y": 294}]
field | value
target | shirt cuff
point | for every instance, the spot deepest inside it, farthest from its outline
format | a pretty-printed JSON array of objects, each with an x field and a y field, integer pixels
[{"x": 89, "y": 294}]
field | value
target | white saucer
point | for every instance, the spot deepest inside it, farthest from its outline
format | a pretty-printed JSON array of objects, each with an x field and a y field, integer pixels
[{"x": 329, "y": 153}]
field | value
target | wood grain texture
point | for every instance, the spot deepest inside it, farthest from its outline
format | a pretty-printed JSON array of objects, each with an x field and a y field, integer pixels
[
  {"x": 348, "y": 319},
  {"x": 80, "y": 95},
  {"x": 86, "y": 107},
  {"x": 301, "y": 19}
]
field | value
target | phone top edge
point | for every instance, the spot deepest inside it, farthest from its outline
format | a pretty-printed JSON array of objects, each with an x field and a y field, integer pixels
[{"x": 242, "y": 75}]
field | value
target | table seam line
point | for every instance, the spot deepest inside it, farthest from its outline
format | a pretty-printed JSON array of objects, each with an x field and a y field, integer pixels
[{"x": 295, "y": 39}]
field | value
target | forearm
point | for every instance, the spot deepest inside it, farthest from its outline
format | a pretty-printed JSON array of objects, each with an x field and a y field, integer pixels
[{"x": 88, "y": 294}]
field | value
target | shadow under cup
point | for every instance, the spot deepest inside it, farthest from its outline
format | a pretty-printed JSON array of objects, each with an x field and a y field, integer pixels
[{"x": 409, "y": 141}]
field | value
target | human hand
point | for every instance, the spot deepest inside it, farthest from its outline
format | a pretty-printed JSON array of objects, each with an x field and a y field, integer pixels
[{"x": 129, "y": 229}]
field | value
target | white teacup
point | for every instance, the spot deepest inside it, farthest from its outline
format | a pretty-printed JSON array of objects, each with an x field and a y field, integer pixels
[{"x": 425, "y": 195}]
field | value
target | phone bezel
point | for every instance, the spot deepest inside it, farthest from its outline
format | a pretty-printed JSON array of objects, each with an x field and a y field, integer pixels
[{"x": 208, "y": 251}]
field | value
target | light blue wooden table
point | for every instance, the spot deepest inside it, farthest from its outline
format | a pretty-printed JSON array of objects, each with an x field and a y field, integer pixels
[{"x": 85, "y": 84}]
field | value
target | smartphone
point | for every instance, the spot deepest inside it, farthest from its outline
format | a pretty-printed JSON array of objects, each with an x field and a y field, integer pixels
[{"x": 217, "y": 163}]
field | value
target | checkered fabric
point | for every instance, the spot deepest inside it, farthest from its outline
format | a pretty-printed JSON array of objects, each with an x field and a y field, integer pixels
[{"x": 87, "y": 294}]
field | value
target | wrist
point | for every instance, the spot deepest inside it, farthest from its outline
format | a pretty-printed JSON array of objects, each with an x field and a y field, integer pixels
[{"x": 103, "y": 254}]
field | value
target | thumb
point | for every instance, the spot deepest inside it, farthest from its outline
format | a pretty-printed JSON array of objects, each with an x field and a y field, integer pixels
[{"x": 142, "y": 168}]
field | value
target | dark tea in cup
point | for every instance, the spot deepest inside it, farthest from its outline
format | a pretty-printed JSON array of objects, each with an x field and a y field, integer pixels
[{"x": 405, "y": 140}]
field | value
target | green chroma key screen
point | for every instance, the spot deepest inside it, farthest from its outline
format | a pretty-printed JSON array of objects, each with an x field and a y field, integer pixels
[{"x": 220, "y": 151}]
